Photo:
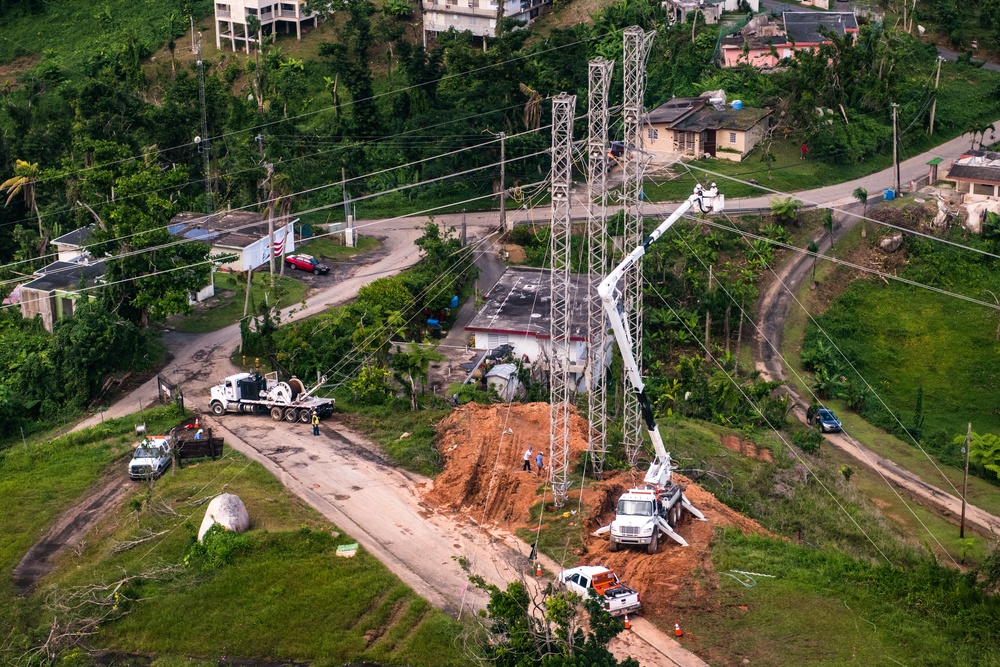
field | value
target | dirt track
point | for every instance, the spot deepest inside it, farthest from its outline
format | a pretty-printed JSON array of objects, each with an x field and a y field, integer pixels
[{"x": 772, "y": 309}]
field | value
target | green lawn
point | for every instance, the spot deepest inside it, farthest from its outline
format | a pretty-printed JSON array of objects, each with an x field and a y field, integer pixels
[
  {"x": 823, "y": 608},
  {"x": 227, "y": 305},
  {"x": 69, "y": 31},
  {"x": 328, "y": 248},
  {"x": 281, "y": 594},
  {"x": 891, "y": 385}
]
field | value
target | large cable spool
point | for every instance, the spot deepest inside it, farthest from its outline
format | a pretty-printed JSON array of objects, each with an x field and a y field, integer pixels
[{"x": 296, "y": 386}]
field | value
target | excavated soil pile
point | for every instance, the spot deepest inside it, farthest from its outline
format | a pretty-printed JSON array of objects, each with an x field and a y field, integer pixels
[
  {"x": 746, "y": 448},
  {"x": 483, "y": 449},
  {"x": 660, "y": 577}
]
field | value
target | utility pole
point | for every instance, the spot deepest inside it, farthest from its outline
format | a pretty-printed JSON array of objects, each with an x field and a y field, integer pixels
[
  {"x": 348, "y": 232},
  {"x": 965, "y": 479},
  {"x": 895, "y": 142},
  {"x": 937, "y": 79},
  {"x": 203, "y": 143},
  {"x": 503, "y": 182}
]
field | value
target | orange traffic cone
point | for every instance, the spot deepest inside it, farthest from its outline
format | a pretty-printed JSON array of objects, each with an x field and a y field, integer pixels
[
  {"x": 196, "y": 425},
  {"x": 628, "y": 626},
  {"x": 677, "y": 629},
  {"x": 538, "y": 569}
]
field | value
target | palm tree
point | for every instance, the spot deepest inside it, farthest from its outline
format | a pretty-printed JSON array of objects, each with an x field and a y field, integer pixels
[
  {"x": 828, "y": 224},
  {"x": 23, "y": 183},
  {"x": 862, "y": 196},
  {"x": 813, "y": 248},
  {"x": 413, "y": 365},
  {"x": 170, "y": 26},
  {"x": 786, "y": 210}
]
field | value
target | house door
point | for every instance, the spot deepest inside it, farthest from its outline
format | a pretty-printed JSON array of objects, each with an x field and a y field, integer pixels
[{"x": 708, "y": 142}]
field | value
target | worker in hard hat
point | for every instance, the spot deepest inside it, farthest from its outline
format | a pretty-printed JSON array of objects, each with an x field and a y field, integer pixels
[{"x": 315, "y": 422}]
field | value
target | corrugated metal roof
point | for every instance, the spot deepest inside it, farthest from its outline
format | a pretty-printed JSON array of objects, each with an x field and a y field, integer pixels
[
  {"x": 721, "y": 119},
  {"x": 804, "y": 27}
]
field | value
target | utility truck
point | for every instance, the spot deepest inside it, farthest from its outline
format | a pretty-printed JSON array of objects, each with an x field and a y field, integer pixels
[
  {"x": 647, "y": 513},
  {"x": 618, "y": 598},
  {"x": 253, "y": 393},
  {"x": 151, "y": 457}
]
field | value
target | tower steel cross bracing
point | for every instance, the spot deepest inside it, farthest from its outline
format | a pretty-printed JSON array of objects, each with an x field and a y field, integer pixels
[
  {"x": 563, "y": 111},
  {"x": 637, "y": 47},
  {"x": 599, "y": 84}
]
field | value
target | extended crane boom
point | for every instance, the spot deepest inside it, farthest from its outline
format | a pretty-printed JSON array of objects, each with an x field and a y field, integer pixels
[{"x": 659, "y": 474}]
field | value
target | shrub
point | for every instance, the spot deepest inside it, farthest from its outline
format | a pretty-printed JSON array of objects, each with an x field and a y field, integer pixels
[
  {"x": 219, "y": 548},
  {"x": 808, "y": 440}
]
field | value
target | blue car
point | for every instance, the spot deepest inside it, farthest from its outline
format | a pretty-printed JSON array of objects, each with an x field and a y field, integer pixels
[{"x": 828, "y": 422}]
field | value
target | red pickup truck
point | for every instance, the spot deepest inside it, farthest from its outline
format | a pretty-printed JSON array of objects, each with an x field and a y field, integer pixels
[{"x": 306, "y": 263}]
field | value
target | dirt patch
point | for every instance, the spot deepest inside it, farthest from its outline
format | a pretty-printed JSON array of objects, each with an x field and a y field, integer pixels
[
  {"x": 483, "y": 446},
  {"x": 514, "y": 254},
  {"x": 9, "y": 71},
  {"x": 70, "y": 528},
  {"x": 746, "y": 448}
]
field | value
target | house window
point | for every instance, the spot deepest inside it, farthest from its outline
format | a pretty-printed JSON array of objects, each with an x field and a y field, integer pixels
[
  {"x": 495, "y": 340},
  {"x": 221, "y": 7},
  {"x": 474, "y": 3},
  {"x": 653, "y": 134},
  {"x": 982, "y": 188},
  {"x": 732, "y": 137},
  {"x": 251, "y": 11},
  {"x": 451, "y": 2}
]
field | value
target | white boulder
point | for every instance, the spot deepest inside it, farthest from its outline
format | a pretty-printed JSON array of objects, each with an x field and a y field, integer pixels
[{"x": 228, "y": 511}]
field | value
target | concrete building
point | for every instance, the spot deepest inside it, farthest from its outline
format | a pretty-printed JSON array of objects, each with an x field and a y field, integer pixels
[
  {"x": 54, "y": 294},
  {"x": 693, "y": 126},
  {"x": 240, "y": 234},
  {"x": 276, "y": 17},
  {"x": 976, "y": 173},
  {"x": 764, "y": 43},
  {"x": 478, "y": 16},
  {"x": 518, "y": 313},
  {"x": 72, "y": 245}
]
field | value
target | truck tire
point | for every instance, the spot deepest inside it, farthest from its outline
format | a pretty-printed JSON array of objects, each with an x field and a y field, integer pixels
[
  {"x": 293, "y": 266},
  {"x": 276, "y": 414},
  {"x": 218, "y": 408},
  {"x": 651, "y": 547},
  {"x": 291, "y": 415},
  {"x": 305, "y": 415},
  {"x": 612, "y": 545}
]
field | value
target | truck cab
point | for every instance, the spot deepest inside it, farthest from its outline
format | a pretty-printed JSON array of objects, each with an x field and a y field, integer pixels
[
  {"x": 150, "y": 459},
  {"x": 635, "y": 519}
]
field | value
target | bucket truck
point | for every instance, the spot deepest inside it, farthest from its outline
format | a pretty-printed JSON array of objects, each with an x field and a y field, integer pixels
[
  {"x": 256, "y": 394},
  {"x": 645, "y": 514}
]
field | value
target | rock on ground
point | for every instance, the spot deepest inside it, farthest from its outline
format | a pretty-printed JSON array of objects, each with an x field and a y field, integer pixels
[{"x": 228, "y": 511}]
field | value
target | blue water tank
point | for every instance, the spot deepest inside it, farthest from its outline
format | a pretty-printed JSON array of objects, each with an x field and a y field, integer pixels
[
  {"x": 454, "y": 302},
  {"x": 737, "y": 104},
  {"x": 889, "y": 194},
  {"x": 433, "y": 323}
]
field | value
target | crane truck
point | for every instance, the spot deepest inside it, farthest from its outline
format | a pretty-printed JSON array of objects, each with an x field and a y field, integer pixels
[
  {"x": 256, "y": 394},
  {"x": 644, "y": 514}
]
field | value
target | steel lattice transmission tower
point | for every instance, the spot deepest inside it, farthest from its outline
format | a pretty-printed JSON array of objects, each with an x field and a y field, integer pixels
[
  {"x": 600, "y": 73},
  {"x": 563, "y": 110},
  {"x": 637, "y": 46}
]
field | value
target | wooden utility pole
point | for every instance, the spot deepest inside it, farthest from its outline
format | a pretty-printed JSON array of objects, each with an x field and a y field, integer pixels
[
  {"x": 708, "y": 321},
  {"x": 937, "y": 79},
  {"x": 965, "y": 479},
  {"x": 895, "y": 142},
  {"x": 503, "y": 181}
]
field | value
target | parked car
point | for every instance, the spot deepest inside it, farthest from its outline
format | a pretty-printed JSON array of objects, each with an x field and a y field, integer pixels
[
  {"x": 828, "y": 422},
  {"x": 306, "y": 263}
]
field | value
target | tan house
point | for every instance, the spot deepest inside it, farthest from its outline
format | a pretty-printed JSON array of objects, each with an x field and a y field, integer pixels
[
  {"x": 696, "y": 127},
  {"x": 976, "y": 173}
]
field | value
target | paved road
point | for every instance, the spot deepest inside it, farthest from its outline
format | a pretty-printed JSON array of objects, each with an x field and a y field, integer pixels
[{"x": 772, "y": 310}]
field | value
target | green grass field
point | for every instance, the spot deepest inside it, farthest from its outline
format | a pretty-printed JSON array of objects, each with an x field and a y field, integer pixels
[
  {"x": 327, "y": 247},
  {"x": 822, "y": 608},
  {"x": 981, "y": 493},
  {"x": 283, "y": 595},
  {"x": 227, "y": 306}
]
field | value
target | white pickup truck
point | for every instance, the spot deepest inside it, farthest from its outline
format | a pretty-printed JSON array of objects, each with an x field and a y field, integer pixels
[
  {"x": 618, "y": 598},
  {"x": 151, "y": 458}
]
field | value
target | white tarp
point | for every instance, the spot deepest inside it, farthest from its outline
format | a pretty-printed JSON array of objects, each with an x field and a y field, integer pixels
[{"x": 228, "y": 511}]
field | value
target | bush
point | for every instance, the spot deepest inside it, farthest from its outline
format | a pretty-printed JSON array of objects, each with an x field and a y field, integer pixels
[
  {"x": 808, "y": 440},
  {"x": 219, "y": 548}
]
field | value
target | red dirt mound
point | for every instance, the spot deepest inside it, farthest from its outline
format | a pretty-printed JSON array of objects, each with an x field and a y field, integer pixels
[
  {"x": 483, "y": 449},
  {"x": 746, "y": 448}
]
